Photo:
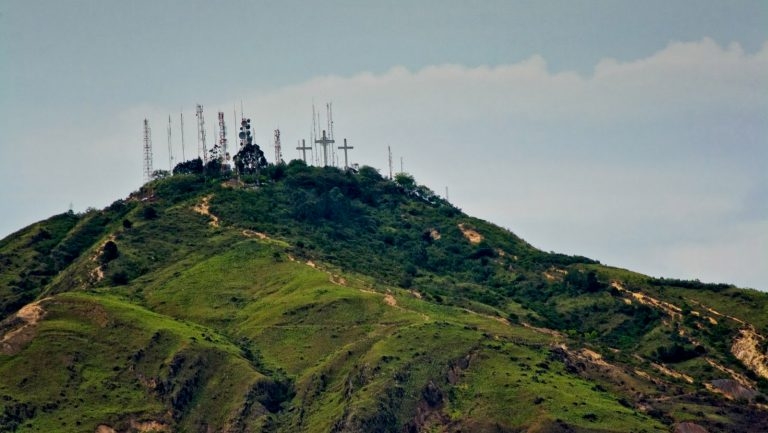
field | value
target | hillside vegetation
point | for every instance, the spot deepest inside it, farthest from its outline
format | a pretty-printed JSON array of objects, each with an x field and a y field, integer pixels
[{"x": 305, "y": 299}]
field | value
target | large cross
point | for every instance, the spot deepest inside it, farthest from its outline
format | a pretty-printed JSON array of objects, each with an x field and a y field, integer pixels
[
  {"x": 304, "y": 148},
  {"x": 325, "y": 141},
  {"x": 345, "y": 148}
]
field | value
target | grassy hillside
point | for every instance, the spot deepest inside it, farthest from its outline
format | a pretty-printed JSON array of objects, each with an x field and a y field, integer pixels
[{"x": 310, "y": 299}]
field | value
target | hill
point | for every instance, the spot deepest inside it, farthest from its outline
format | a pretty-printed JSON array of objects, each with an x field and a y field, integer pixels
[{"x": 312, "y": 299}]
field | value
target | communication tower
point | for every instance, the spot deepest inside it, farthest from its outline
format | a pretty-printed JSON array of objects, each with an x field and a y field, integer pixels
[
  {"x": 245, "y": 133},
  {"x": 223, "y": 139},
  {"x": 389, "y": 149},
  {"x": 170, "y": 146},
  {"x": 181, "y": 120},
  {"x": 202, "y": 151},
  {"x": 147, "y": 152},
  {"x": 278, "y": 150}
]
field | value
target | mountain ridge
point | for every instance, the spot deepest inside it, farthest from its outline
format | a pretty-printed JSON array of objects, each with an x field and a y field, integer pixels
[{"x": 344, "y": 301}]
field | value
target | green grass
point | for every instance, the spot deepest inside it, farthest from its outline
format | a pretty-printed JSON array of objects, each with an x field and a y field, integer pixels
[{"x": 198, "y": 325}]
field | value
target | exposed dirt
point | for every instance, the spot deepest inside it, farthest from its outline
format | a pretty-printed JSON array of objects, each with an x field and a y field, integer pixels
[
  {"x": 731, "y": 389},
  {"x": 743, "y": 380},
  {"x": 546, "y": 331},
  {"x": 150, "y": 426},
  {"x": 591, "y": 365},
  {"x": 689, "y": 427},
  {"x": 554, "y": 274},
  {"x": 97, "y": 274},
  {"x": 254, "y": 234},
  {"x": 672, "y": 373},
  {"x": 670, "y": 309},
  {"x": 716, "y": 313},
  {"x": 137, "y": 426},
  {"x": 434, "y": 234},
  {"x": 390, "y": 300},
  {"x": 472, "y": 236},
  {"x": 19, "y": 329},
  {"x": 337, "y": 279},
  {"x": 203, "y": 208},
  {"x": 746, "y": 348}
]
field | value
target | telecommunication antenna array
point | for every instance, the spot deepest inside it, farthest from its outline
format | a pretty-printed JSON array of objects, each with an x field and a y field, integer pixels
[
  {"x": 278, "y": 150},
  {"x": 181, "y": 119},
  {"x": 202, "y": 151},
  {"x": 223, "y": 139},
  {"x": 170, "y": 146},
  {"x": 147, "y": 152}
]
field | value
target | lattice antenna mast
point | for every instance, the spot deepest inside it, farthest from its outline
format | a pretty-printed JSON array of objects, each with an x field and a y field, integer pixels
[
  {"x": 202, "y": 151},
  {"x": 329, "y": 120},
  {"x": 389, "y": 149},
  {"x": 314, "y": 135},
  {"x": 170, "y": 146},
  {"x": 223, "y": 140},
  {"x": 181, "y": 119},
  {"x": 147, "y": 151},
  {"x": 278, "y": 149}
]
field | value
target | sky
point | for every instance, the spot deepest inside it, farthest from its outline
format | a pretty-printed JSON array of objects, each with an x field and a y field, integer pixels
[{"x": 634, "y": 133}]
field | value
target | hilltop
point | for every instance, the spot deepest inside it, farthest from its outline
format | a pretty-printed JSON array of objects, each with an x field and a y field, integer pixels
[{"x": 315, "y": 299}]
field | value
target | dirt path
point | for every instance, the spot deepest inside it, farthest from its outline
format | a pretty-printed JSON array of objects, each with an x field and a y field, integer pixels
[
  {"x": 670, "y": 309},
  {"x": 253, "y": 234},
  {"x": 203, "y": 208}
]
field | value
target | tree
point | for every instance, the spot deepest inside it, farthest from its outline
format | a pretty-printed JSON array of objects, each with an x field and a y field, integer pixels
[
  {"x": 193, "y": 166},
  {"x": 406, "y": 181},
  {"x": 160, "y": 174},
  {"x": 109, "y": 252},
  {"x": 250, "y": 159}
]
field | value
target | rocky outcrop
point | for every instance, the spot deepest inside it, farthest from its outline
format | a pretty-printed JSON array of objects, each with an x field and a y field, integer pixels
[{"x": 746, "y": 348}]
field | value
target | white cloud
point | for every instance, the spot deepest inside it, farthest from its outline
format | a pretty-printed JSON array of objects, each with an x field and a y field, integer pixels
[{"x": 638, "y": 164}]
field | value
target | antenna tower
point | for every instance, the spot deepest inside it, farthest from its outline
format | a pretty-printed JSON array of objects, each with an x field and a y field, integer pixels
[
  {"x": 223, "y": 139},
  {"x": 202, "y": 151},
  {"x": 147, "y": 151},
  {"x": 389, "y": 149},
  {"x": 278, "y": 149},
  {"x": 329, "y": 109},
  {"x": 181, "y": 118},
  {"x": 170, "y": 147},
  {"x": 245, "y": 133}
]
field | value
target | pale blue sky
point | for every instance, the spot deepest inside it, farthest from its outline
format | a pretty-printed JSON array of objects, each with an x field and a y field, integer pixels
[{"x": 630, "y": 132}]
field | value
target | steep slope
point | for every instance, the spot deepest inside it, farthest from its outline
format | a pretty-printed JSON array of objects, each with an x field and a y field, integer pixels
[{"x": 328, "y": 301}]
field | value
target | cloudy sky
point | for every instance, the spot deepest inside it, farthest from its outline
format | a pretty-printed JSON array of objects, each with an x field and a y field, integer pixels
[{"x": 635, "y": 133}]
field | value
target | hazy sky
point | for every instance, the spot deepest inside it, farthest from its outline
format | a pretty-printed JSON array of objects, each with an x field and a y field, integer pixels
[{"x": 635, "y": 133}]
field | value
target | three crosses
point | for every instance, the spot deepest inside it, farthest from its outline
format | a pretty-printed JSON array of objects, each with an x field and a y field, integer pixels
[{"x": 325, "y": 141}]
